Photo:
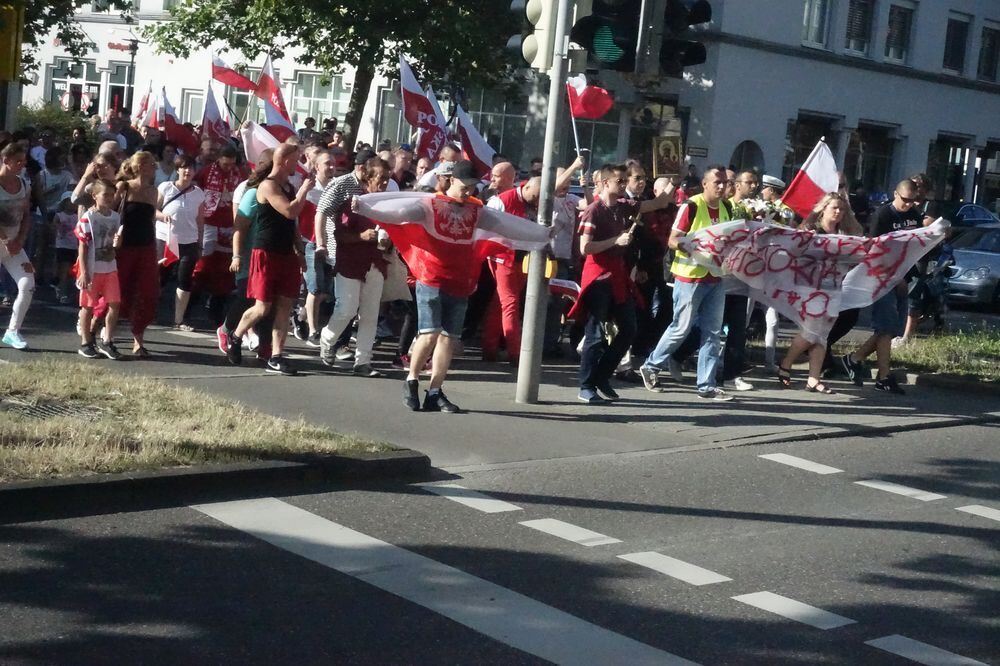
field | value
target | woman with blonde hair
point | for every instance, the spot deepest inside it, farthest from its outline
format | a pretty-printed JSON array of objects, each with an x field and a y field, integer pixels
[
  {"x": 832, "y": 215},
  {"x": 138, "y": 268}
]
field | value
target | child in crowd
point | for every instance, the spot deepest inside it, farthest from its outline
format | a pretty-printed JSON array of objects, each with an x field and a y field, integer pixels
[
  {"x": 65, "y": 221},
  {"x": 99, "y": 232}
]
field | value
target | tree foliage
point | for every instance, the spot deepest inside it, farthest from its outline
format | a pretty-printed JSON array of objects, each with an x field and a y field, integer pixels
[
  {"x": 42, "y": 16},
  {"x": 450, "y": 43}
]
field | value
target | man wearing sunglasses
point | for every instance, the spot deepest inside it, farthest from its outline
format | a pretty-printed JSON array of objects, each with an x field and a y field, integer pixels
[{"x": 889, "y": 312}]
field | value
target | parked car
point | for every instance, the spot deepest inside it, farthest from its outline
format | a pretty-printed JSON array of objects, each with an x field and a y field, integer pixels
[
  {"x": 966, "y": 215},
  {"x": 975, "y": 275}
]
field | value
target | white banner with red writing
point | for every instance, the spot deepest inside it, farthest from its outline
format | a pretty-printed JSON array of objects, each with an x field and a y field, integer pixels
[{"x": 807, "y": 276}]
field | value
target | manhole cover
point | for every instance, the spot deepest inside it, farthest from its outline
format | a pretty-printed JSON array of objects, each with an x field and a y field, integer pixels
[{"x": 50, "y": 410}]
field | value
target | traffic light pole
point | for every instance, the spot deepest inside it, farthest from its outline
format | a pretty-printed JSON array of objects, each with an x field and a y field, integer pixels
[{"x": 529, "y": 369}]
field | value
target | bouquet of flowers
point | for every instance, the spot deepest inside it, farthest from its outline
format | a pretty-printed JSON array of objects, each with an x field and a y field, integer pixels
[{"x": 765, "y": 211}]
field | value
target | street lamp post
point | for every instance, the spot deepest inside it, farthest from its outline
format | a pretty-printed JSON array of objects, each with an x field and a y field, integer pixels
[{"x": 133, "y": 48}]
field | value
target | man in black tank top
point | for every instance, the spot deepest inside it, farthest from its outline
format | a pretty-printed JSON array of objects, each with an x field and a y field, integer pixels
[{"x": 277, "y": 259}]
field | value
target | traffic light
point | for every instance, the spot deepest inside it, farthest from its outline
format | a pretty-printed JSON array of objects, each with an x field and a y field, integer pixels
[
  {"x": 610, "y": 33},
  {"x": 536, "y": 41},
  {"x": 678, "y": 49}
]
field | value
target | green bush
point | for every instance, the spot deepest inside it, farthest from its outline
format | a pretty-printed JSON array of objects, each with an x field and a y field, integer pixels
[{"x": 53, "y": 118}]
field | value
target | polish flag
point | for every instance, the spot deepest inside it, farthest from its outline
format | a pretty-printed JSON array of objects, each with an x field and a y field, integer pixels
[
  {"x": 174, "y": 130},
  {"x": 256, "y": 139},
  {"x": 585, "y": 101},
  {"x": 225, "y": 74},
  {"x": 433, "y": 136},
  {"x": 473, "y": 144},
  {"x": 443, "y": 241},
  {"x": 140, "y": 113},
  {"x": 279, "y": 123},
  {"x": 215, "y": 121},
  {"x": 421, "y": 110},
  {"x": 171, "y": 249},
  {"x": 817, "y": 177}
]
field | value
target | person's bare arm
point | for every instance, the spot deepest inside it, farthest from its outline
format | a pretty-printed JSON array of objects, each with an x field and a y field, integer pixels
[
  {"x": 658, "y": 203},
  {"x": 589, "y": 246},
  {"x": 272, "y": 194}
]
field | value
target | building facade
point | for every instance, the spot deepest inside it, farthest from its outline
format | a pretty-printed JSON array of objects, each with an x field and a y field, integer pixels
[{"x": 895, "y": 87}]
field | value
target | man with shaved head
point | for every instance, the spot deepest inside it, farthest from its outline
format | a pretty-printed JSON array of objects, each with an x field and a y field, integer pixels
[
  {"x": 889, "y": 312},
  {"x": 502, "y": 178},
  {"x": 504, "y": 311}
]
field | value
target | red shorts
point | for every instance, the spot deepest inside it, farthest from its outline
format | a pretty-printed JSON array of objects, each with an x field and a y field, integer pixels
[
  {"x": 273, "y": 274},
  {"x": 102, "y": 284}
]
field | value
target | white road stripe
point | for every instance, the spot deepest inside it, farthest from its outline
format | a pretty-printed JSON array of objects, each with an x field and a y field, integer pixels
[
  {"x": 570, "y": 532},
  {"x": 794, "y": 610},
  {"x": 897, "y": 489},
  {"x": 494, "y": 611},
  {"x": 689, "y": 573},
  {"x": 979, "y": 510},
  {"x": 801, "y": 463},
  {"x": 189, "y": 334},
  {"x": 922, "y": 653},
  {"x": 470, "y": 498}
]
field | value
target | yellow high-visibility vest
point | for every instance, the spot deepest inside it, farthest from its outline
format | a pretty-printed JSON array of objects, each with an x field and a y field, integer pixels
[{"x": 684, "y": 266}]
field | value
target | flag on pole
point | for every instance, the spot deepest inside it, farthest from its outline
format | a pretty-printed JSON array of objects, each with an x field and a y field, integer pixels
[
  {"x": 256, "y": 140},
  {"x": 421, "y": 110},
  {"x": 587, "y": 101},
  {"x": 215, "y": 119},
  {"x": 140, "y": 113},
  {"x": 225, "y": 74},
  {"x": 175, "y": 131},
  {"x": 817, "y": 177},
  {"x": 476, "y": 149},
  {"x": 279, "y": 123},
  {"x": 433, "y": 135}
]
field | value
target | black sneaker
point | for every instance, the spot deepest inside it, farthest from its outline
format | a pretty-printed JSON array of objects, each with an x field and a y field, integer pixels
[
  {"x": 279, "y": 365},
  {"x": 313, "y": 340},
  {"x": 108, "y": 349},
  {"x": 88, "y": 351},
  {"x": 367, "y": 371},
  {"x": 300, "y": 329},
  {"x": 715, "y": 395},
  {"x": 234, "y": 351},
  {"x": 437, "y": 402},
  {"x": 411, "y": 394},
  {"x": 889, "y": 385},
  {"x": 607, "y": 391},
  {"x": 852, "y": 369}
]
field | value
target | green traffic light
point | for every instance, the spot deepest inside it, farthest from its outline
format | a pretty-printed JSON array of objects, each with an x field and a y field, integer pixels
[{"x": 604, "y": 47}]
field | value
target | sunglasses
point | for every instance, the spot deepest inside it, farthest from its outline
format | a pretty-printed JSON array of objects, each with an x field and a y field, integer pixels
[{"x": 905, "y": 199}]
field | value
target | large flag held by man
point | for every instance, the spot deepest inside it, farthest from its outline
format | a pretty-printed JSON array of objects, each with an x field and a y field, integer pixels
[
  {"x": 817, "y": 177},
  {"x": 279, "y": 123}
]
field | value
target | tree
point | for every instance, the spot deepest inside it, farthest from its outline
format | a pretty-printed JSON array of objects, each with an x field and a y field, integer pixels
[
  {"x": 451, "y": 43},
  {"x": 40, "y": 17}
]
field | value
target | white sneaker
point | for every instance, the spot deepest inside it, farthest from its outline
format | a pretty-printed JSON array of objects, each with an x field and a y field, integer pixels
[
  {"x": 674, "y": 368},
  {"x": 250, "y": 340},
  {"x": 715, "y": 395},
  {"x": 345, "y": 353},
  {"x": 579, "y": 347},
  {"x": 14, "y": 339},
  {"x": 899, "y": 342},
  {"x": 740, "y": 384}
]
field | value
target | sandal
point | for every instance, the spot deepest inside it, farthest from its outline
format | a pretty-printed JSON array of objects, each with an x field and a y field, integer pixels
[
  {"x": 784, "y": 377},
  {"x": 140, "y": 352},
  {"x": 819, "y": 387},
  {"x": 187, "y": 328}
]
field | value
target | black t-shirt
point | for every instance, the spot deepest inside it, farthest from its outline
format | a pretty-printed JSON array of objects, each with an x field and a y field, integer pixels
[
  {"x": 886, "y": 218},
  {"x": 275, "y": 232}
]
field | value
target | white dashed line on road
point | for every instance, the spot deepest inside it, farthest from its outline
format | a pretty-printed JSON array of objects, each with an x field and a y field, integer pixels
[
  {"x": 492, "y": 610},
  {"x": 801, "y": 463},
  {"x": 794, "y": 610},
  {"x": 469, "y": 498},
  {"x": 922, "y": 653},
  {"x": 897, "y": 489},
  {"x": 683, "y": 571},
  {"x": 570, "y": 532},
  {"x": 979, "y": 510}
]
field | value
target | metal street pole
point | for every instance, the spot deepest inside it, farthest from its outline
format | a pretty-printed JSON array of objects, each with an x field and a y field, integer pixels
[
  {"x": 529, "y": 369},
  {"x": 133, "y": 48}
]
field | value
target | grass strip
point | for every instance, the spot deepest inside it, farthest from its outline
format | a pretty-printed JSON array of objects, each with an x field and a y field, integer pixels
[
  {"x": 972, "y": 353},
  {"x": 131, "y": 423}
]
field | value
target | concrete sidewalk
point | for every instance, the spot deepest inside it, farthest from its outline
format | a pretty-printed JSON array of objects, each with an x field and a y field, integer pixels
[{"x": 496, "y": 430}]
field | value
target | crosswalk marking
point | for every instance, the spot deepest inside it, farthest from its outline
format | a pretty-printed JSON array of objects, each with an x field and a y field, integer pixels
[
  {"x": 794, "y": 610},
  {"x": 689, "y": 573},
  {"x": 494, "y": 611},
  {"x": 897, "y": 489},
  {"x": 570, "y": 532},
  {"x": 801, "y": 463},
  {"x": 469, "y": 498},
  {"x": 922, "y": 653},
  {"x": 979, "y": 510}
]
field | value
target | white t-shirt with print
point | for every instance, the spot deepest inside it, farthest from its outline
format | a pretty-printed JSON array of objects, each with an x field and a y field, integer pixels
[
  {"x": 184, "y": 211},
  {"x": 97, "y": 232}
]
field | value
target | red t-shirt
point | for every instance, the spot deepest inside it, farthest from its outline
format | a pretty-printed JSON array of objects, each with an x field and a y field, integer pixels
[
  {"x": 685, "y": 218},
  {"x": 514, "y": 204},
  {"x": 355, "y": 259}
]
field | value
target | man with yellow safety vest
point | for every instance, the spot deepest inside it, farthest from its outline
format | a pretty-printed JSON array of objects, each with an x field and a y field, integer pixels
[{"x": 698, "y": 296}]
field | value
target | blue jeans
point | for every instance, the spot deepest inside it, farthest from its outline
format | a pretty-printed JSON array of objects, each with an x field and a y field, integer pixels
[
  {"x": 439, "y": 312},
  {"x": 317, "y": 275},
  {"x": 704, "y": 301},
  {"x": 599, "y": 360}
]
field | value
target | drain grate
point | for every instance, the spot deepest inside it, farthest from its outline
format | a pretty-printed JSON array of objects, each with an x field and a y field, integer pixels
[{"x": 48, "y": 410}]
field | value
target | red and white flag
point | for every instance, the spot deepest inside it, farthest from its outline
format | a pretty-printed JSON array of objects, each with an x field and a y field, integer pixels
[
  {"x": 421, "y": 110},
  {"x": 817, "y": 177},
  {"x": 225, "y": 74},
  {"x": 171, "y": 249},
  {"x": 434, "y": 136},
  {"x": 567, "y": 288},
  {"x": 585, "y": 101},
  {"x": 279, "y": 123},
  {"x": 160, "y": 114},
  {"x": 215, "y": 120},
  {"x": 256, "y": 140},
  {"x": 140, "y": 111},
  {"x": 475, "y": 147}
]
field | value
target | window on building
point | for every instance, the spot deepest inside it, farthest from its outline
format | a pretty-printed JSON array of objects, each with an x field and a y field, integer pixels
[
  {"x": 897, "y": 38},
  {"x": 859, "y": 25},
  {"x": 245, "y": 104},
  {"x": 869, "y": 157},
  {"x": 76, "y": 86},
  {"x": 947, "y": 160},
  {"x": 989, "y": 53},
  {"x": 815, "y": 22},
  {"x": 956, "y": 42},
  {"x": 120, "y": 91},
  {"x": 802, "y": 136},
  {"x": 192, "y": 105},
  {"x": 502, "y": 120},
  {"x": 748, "y": 156},
  {"x": 311, "y": 98}
]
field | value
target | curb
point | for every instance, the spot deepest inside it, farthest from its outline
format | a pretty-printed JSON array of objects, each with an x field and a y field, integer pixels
[
  {"x": 24, "y": 501},
  {"x": 955, "y": 383}
]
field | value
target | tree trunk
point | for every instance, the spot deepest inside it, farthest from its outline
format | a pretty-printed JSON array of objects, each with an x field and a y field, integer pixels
[{"x": 363, "y": 77}]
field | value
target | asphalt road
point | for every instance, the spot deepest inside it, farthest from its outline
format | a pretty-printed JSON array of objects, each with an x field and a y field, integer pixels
[{"x": 716, "y": 556}]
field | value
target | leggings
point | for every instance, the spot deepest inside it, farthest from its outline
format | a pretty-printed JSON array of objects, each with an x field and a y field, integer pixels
[
  {"x": 185, "y": 263},
  {"x": 846, "y": 320},
  {"x": 23, "y": 274},
  {"x": 139, "y": 276}
]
